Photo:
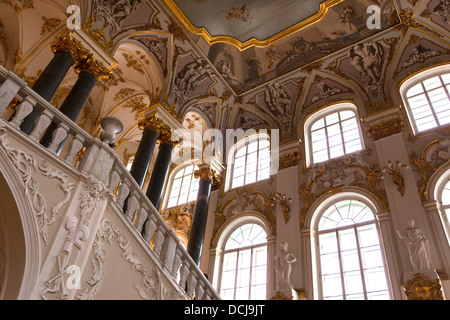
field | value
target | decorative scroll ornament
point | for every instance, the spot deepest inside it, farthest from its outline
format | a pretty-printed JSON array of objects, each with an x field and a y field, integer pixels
[
  {"x": 423, "y": 288},
  {"x": 151, "y": 284},
  {"x": 284, "y": 201},
  {"x": 385, "y": 128},
  {"x": 394, "y": 171}
]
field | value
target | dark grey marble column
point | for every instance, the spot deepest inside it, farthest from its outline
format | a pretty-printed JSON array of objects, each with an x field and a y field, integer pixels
[
  {"x": 73, "y": 104},
  {"x": 158, "y": 179},
  {"x": 198, "y": 227},
  {"x": 47, "y": 84},
  {"x": 150, "y": 126}
]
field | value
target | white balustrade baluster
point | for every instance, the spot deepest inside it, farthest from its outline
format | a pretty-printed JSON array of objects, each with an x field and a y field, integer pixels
[
  {"x": 114, "y": 179},
  {"x": 158, "y": 241},
  {"x": 124, "y": 191},
  {"x": 132, "y": 205},
  {"x": 150, "y": 228},
  {"x": 42, "y": 123},
  {"x": 58, "y": 136},
  {"x": 191, "y": 284},
  {"x": 176, "y": 263},
  {"x": 75, "y": 147},
  {"x": 199, "y": 291},
  {"x": 23, "y": 110},
  {"x": 184, "y": 273},
  {"x": 142, "y": 216}
]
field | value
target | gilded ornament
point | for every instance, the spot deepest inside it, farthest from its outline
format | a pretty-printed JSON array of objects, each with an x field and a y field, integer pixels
[
  {"x": 280, "y": 296},
  {"x": 153, "y": 122},
  {"x": 385, "y": 128},
  {"x": 207, "y": 174},
  {"x": 284, "y": 202},
  {"x": 67, "y": 43},
  {"x": 394, "y": 171},
  {"x": 166, "y": 136},
  {"x": 423, "y": 288},
  {"x": 87, "y": 62}
]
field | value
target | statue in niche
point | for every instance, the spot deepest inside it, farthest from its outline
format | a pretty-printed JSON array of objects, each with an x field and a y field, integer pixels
[
  {"x": 283, "y": 267},
  {"x": 417, "y": 245}
]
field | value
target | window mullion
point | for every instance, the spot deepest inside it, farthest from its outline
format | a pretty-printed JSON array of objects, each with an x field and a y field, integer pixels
[
  {"x": 430, "y": 104},
  {"x": 361, "y": 267},
  {"x": 340, "y": 265},
  {"x": 342, "y": 133},
  {"x": 236, "y": 275}
]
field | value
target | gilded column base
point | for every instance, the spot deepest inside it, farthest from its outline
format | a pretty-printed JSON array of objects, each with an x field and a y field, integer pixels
[{"x": 423, "y": 287}]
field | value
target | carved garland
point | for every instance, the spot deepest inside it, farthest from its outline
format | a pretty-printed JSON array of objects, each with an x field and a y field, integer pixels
[
  {"x": 331, "y": 178},
  {"x": 150, "y": 289},
  {"x": 25, "y": 164}
]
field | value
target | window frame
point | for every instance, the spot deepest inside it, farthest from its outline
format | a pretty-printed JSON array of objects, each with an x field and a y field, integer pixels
[
  {"x": 244, "y": 143},
  {"x": 171, "y": 180},
  {"x": 311, "y": 120},
  {"x": 224, "y": 241},
  {"x": 317, "y": 250},
  {"x": 420, "y": 78}
]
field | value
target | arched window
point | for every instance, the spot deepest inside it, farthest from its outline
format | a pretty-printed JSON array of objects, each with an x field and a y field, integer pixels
[
  {"x": 244, "y": 264},
  {"x": 249, "y": 162},
  {"x": 332, "y": 133},
  {"x": 184, "y": 187},
  {"x": 351, "y": 264},
  {"x": 427, "y": 99}
]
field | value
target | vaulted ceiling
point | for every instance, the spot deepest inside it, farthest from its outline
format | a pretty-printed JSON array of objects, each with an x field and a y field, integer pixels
[{"x": 163, "y": 56}]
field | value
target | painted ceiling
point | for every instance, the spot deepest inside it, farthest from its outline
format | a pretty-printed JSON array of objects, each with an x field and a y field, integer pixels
[
  {"x": 247, "y": 65},
  {"x": 247, "y": 19}
]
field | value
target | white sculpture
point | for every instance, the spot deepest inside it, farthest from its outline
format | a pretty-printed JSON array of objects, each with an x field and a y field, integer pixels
[
  {"x": 283, "y": 267},
  {"x": 418, "y": 246}
]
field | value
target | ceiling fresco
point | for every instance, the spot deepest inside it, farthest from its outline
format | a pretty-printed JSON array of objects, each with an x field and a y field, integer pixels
[
  {"x": 247, "y": 19},
  {"x": 344, "y": 25}
]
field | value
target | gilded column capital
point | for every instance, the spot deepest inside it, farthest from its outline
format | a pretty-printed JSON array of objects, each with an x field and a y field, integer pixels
[
  {"x": 152, "y": 122},
  {"x": 384, "y": 129},
  {"x": 67, "y": 43},
  {"x": 208, "y": 174},
  {"x": 166, "y": 136},
  {"x": 87, "y": 62}
]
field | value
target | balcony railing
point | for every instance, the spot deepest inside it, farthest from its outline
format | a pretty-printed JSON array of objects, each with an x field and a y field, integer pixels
[{"x": 85, "y": 153}]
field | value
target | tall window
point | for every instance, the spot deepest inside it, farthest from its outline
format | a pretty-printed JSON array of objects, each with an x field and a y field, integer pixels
[
  {"x": 244, "y": 266},
  {"x": 332, "y": 134},
  {"x": 428, "y": 100},
  {"x": 251, "y": 162},
  {"x": 184, "y": 187},
  {"x": 351, "y": 262}
]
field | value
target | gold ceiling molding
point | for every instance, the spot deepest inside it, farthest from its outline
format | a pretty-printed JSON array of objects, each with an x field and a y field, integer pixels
[{"x": 252, "y": 42}]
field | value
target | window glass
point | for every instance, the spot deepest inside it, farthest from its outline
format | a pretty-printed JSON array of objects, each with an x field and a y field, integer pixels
[
  {"x": 335, "y": 135},
  {"x": 244, "y": 266},
  {"x": 251, "y": 163},
  {"x": 429, "y": 103},
  {"x": 184, "y": 187},
  {"x": 351, "y": 261}
]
